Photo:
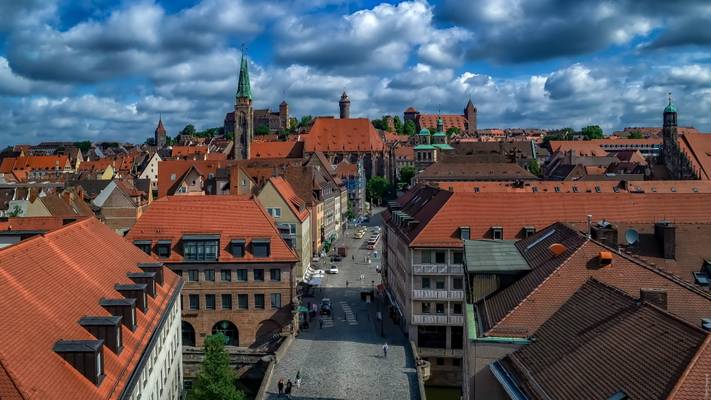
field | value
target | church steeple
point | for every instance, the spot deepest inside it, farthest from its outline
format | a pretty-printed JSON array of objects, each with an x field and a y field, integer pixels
[
  {"x": 160, "y": 133},
  {"x": 243, "y": 87}
]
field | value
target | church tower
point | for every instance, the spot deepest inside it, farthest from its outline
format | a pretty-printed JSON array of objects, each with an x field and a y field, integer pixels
[
  {"x": 470, "y": 116},
  {"x": 244, "y": 114},
  {"x": 669, "y": 132},
  {"x": 160, "y": 134},
  {"x": 345, "y": 106}
]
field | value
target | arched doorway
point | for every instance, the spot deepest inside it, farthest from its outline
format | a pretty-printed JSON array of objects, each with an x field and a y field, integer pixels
[
  {"x": 188, "y": 334},
  {"x": 230, "y": 331}
]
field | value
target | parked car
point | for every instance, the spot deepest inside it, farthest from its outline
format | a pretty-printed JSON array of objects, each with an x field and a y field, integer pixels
[
  {"x": 332, "y": 270},
  {"x": 336, "y": 258}
]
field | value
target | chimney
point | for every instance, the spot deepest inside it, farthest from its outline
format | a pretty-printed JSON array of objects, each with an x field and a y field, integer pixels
[
  {"x": 665, "y": 232},
  {"x": 153, "y": 267},
  {"x": 107, "y": 329},
  {"x": 604, "y": 258},
  {"x": 124, "y": 308},
  {"x": 655, "y": 296},
  {"x": 137, "y": 292},
  {"x": 147, "y": 278},
  {"x": 605, "y": 233},
  {"x": 589, "y": 225},
  {"x": 86, "y": 356}
]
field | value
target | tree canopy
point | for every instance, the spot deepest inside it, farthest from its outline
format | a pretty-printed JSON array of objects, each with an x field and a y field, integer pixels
[
  {"x": 636, "y": 135},
  {"x": 376, "y": 188},
  {"x": 305, "y": 121},
  {"x": 592, "y": 132},
  {"x": 406, "y": 174},
  {"x": 262, "y": 130},
  {"x": 84, "y": 146},
  {"x": 215, "y": 379},
  {"x": 409, "y": 128},
  {"x": 188, "y": 130},
  {"x": 453, "y": 131},
  {"x": 534, "y": 167}
]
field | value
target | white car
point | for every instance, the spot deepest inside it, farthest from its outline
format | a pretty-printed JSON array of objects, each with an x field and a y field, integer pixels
[{"x": 332, "y": 270}]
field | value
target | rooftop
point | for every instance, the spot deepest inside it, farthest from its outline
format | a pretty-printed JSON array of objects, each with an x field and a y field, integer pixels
[{"x": 345, "y": 135}]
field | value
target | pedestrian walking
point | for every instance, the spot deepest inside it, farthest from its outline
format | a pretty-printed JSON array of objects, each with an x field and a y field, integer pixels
[
  {"x": 280, "y": 386},
  {"x": 320, "y": 323},
  {"x": 287, "y": 390},
  {"x": 298, "y": 379},
  {"x": 353, "y": 257},
  {"x": 385, "y": 352},
  {"x": 346, "y": 284}
]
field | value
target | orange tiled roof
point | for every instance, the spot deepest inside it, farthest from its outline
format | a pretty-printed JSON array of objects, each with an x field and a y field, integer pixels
[
  {"x": 512, "y": 211},
  {"x": 694, "y": 382},
  {"x": 698, "y": 148},
  {"x": 232, "y": 217},
  {"x": 31, "y": 223},
  {"x": 296, "y": 204},
  {"x": 342, "y": 135},
  {"x": 273, "y": 150},
  {"x": 98, "y": 165},
  {"x": 30, "y": 163},
  {"x": 405, "y": 153},
  {"x": 47, "y": 283},
  {"x": 581, "y": 147},
  {"x": 185, "y": 151},
  {"x": 216, "y": 156},
  {"x": 626, "y": 142},
  {"x": 169, "y": 168},
  {"x": 627, "y": 274},
  {"x": 580, "y": 187},
  {"x": 448, "y": 121}
]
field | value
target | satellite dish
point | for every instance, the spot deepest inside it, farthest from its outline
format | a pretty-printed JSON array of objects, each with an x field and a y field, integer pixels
[{"x": 631, "y": 236}]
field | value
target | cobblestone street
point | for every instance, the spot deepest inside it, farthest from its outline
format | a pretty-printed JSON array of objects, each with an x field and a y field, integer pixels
[{"x": 344, "y": 359}]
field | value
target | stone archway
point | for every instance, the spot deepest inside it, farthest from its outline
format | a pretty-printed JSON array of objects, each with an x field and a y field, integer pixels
[
  {"x": 188, "y": 334},
  {"x": 266, "y": 330},
  {"x": 230, "y": 331}
]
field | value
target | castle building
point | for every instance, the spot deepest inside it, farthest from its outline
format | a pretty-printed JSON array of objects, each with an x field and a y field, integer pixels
[
  {"x": 465, "y": 123},
  {"x": 160, "y": 134},
  {"x": 686, "y": 155},
  {"x": 345, "y": 106}
]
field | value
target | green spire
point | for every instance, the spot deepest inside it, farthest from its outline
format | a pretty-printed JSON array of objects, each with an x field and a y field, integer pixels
[
  {"x": 243, "y": 87},
  {"x": 671, "y": 107}
]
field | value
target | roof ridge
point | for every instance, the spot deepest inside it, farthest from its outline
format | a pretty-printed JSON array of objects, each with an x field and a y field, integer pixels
[
  {"x": 690, "y": 367},
  {"x": 13, "y": 379},
  {"x": 80, "y": 220},
  {"x": 562, "y": 264}
]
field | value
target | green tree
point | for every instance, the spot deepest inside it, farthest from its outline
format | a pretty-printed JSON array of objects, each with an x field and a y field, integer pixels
[
  {"x": 534, "y": 167},
  {"x": 406, "y": 174},
  {"x": 432, "y": 130},
  {"x": 262, "y": 130},
  {"x": 188, "y": 130},
  {"x": 150, "y": 141},
  {"x": 84, "y": 146},
  {"x": 215, "y": 379},
  {"x": 376, "y": 189},
  {"x": 409, "y": 128},
  {"x": 379, "y": 124},
  {"x": 592, "y": 132},
  {"x": 398, "y": 125},
  {"x": 305, "y": 121},
  {"x": 636, "y": 135},
  {"x": 453, "y": 131}
]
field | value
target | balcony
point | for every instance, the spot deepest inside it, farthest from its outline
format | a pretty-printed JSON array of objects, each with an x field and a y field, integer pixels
[
  {"x": 430, "y": 294},
  {"x": 438, "y": 269},
  {"x": 432, "y": 352},
  {"x": 437, "y": 319}
]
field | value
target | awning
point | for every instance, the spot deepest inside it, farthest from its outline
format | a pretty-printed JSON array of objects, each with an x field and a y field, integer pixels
[
  {"x": 314, "y": 282},
  {"x": 302, "y": 309}
]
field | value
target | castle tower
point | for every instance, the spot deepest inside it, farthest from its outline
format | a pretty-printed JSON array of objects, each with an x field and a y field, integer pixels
[
  {"x": 470, "y": 116},
  {"x": 440, "y": 124},
  {"x": 160, "y": 134},
  {"x": 345, "y": 106},
  {"x": 244, "y": 114},
  {"x": 284, "y": 115},
  {"x": 669, "y": 133}
]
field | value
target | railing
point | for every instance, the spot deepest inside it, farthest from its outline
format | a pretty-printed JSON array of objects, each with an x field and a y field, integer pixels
[
  {"x": 436, "y": 319},
  {"x": 437, "y": 269},
  {"x": 433, "y": 352},
  {"x": 429, "y": 294}
]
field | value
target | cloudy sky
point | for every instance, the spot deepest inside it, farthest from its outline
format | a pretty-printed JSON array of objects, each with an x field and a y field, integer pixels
[{"x": 105, "y": 69}]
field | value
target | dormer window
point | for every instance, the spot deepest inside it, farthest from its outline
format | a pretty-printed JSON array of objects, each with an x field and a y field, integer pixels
[
  {"x": 464, "y": 232},
  {"x": 237, "y": 247},
  {"x": 497, "y": 232},
  {"x": 528, "y": 231},
  {"x": 86, "y": 356},
  {"x": 144, "y": 245},
  {"x": 200, "y": 247},
  {"x": 163, "y": 248},
  {"x": 261, "y": 248}
]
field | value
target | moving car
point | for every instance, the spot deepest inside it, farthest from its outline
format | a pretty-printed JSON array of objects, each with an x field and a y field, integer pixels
[
  {"x": 336, "y": 258},
  {"x": 325, "y": 306},
  {"x": 332, "y": 270}
]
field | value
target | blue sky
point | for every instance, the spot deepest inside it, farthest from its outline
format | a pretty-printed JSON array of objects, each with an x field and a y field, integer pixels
[{"x": 105, "y": 69}]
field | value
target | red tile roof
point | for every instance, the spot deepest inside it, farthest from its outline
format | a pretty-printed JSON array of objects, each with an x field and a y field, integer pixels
[
  {"x": 603, "y": 340},
  {"x": 345, "y": 169},
  {"x": 580, "y": 187},
  {"x": 448, "y": 121},
  {"x": 698, "y": 149},
  {"x": 694, "y": 384},
  {"x": 31, "y": 223},
  {"x": 296, "y": 204},
  {"x": 276, "y": 150},
  {"x": 405, "y": 153},
  {"x": 457, "y": 171},
  {"x": 513, "y": 211},
  {"x": 342, "y": 135},
  {"x": 98, "y": 165},
  {"x": 169, "y": 168},
  {"x": 232, "y": 217},
  {"x": 47, "y": 283},
  {"x": 188, "y": 151},
  {"x": 558, "y": 284},
  {"x": 581, "y": 147}
]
